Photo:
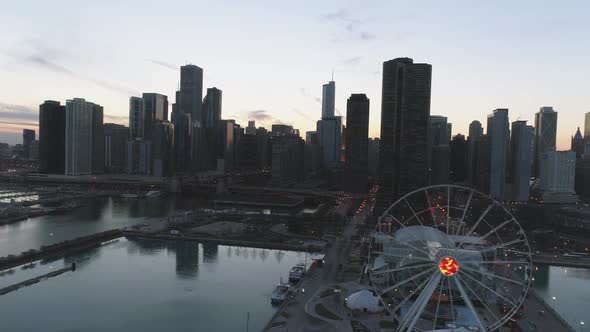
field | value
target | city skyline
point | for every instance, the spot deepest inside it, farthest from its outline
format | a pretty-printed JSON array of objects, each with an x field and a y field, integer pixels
[{"x": 36, "y": 66}]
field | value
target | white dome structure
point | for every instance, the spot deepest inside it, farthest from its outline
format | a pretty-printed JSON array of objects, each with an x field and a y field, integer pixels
[{"x": 363, "y": 301}]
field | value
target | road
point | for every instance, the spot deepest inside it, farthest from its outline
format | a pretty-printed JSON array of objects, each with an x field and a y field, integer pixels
[{"x": 316, "y": 279}]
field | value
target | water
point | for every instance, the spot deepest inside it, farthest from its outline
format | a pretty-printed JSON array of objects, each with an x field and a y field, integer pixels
[
  {"x": 94, "y": 216},
  {"x": 150, "y": 285},
  {"x": 570, "y": 287}
]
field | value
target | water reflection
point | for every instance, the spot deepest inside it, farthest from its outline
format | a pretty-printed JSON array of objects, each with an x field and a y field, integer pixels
[
  {"x": 210, "y": 252},
  {"x": 187, "y": 258}
]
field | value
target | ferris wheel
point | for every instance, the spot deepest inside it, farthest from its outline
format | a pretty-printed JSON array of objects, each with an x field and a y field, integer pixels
[{"x": 448, "y": 256}]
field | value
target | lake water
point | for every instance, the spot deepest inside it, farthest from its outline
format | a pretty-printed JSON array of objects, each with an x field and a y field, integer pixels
[{"x": 150, "y": 285}]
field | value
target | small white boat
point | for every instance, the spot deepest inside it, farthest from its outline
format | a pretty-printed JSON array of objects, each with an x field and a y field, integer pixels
[
  {"x": 280, "y": 293},
  {"x": 153, "y": 194},
  {"x": 297, "y": 272}
]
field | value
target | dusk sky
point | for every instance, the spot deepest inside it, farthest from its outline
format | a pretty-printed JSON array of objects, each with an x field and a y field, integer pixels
[{"x": 271, "y": 58}]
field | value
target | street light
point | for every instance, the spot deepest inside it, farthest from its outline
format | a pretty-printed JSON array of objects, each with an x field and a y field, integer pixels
[{"x": 554, "y": 302}]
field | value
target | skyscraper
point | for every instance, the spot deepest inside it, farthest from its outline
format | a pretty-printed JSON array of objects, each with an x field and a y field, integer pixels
[
  {"x": 136, "y": 118},
  {"x": 439, "y": 130},
  {"x": 329, "y": 128},
  {"x": 84, "y": 148},
  {"x": 405, "y": 114},
  {"x": 578, "y": 144},
  {"x": 163, "y": 149},
  {"x": 545, "y": 134},
  {"x": 357, "y": 138},
  {"x": 499, "y": 136},
  {"x": 587, "y": 125},
  {"x": 191, "y": 92},
  {"x": 329, "y": 132},
  {"x": 328, "y": 99},
  {"x": 458, "y": 158},
  {"x": 519, "y": 169},
  {"x": 557, "y": 178},
  {"x": 212, "y": 107},
  {"x": 52, "y": 144},
  {"x": 251, "y": 129},
  {"x": 475, "y": 132},
  {"x": 155, "y": 108},
  {"x": 28, "y": 138},
  {"x": 115, "y": 147}
]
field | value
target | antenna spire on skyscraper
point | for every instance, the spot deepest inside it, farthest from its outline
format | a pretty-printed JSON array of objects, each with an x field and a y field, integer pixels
[{"x": 332, "y": 74}]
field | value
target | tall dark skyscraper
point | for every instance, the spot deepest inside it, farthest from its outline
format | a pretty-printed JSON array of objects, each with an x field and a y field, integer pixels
[
  {"x": 191, "y": 92},
  {"x": 545, "y": 135},
  {"x": 28, "y": 138},
  {"x": 519, "y": 161},
  {"x": 578, "y": 144},
  {"x": 212, "y": 107},
  {"x": 475, "y": 133},
  {"x": 115, "y": 145},
  {"x": 52, "y": 144},
  {"x": 439, "y": 130},
  {"x": 155, "y": 108},
  {"x": 499, "y": 135},
  {"x": 357, "y": 140},
  {"x": 405, "y": 114},
  {"x": 458, "y": 162}
]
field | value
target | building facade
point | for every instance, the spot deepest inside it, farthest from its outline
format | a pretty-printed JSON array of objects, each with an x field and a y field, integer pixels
[
  {"x": 520, "y": 161},
  {"x": 499, "y": 136},
  {"x": 115, "y": 147},
  {"x": 52, "y": 144},
  {"x": 356, "y": 167},
  {"x": 545, "y": 135},
  {"x": 84, "y": 138},
  {"x": 405, "y": 114}
]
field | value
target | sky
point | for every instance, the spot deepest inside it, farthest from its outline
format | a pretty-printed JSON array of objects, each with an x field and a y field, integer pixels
[{"x": 270, "y": 58}]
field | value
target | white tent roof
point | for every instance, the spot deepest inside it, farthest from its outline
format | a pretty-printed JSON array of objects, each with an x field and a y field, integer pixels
[{"x": 363, "y": 300}]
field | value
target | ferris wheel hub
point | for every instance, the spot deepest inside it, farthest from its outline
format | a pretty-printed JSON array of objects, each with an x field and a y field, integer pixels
[{"x": 448, "y": 266}]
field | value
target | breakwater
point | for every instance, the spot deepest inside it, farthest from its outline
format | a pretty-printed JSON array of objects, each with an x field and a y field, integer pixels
[
  {"x": 59, "y": 249},
  {"x": 35, "y": 280},
  {"x": 225, "y": 242}
]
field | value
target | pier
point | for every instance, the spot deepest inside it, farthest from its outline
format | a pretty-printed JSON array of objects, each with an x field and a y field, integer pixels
[{"x": 35, "y": 280}]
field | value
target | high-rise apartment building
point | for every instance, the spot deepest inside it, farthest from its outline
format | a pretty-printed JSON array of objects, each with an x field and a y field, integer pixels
[
  {"x": 52, "y": 144},
  {"x": 545, "y": 135},
  {"x": 557, "y": 178},
  {"x": 356, "y": 168},
  {"x": 519, "y": 167},
  {"x": 84, "y": 142},
  {"x": 458, "y": 159},
  {"x": 499, "y": 136},
  {"x": 405, "y": 114}
]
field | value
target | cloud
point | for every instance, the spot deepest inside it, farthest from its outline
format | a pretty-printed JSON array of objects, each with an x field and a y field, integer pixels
[
  {"x": 259, "y": 115},
  {"x": 40, "y": 57},
  {"x": 352, "y": 61},
  {"x": 165, "y": 64},
  {"x": 351, "y": 25},
  {"x": 18, "y": 112}
]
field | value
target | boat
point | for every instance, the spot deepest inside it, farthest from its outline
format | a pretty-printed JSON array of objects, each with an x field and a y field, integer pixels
[
  {"x": 296, "y": 272},
  {"x": 280, "y": 293},
  {"x": 153, "y": 194},
  {"x": 129, "y": 195}
]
